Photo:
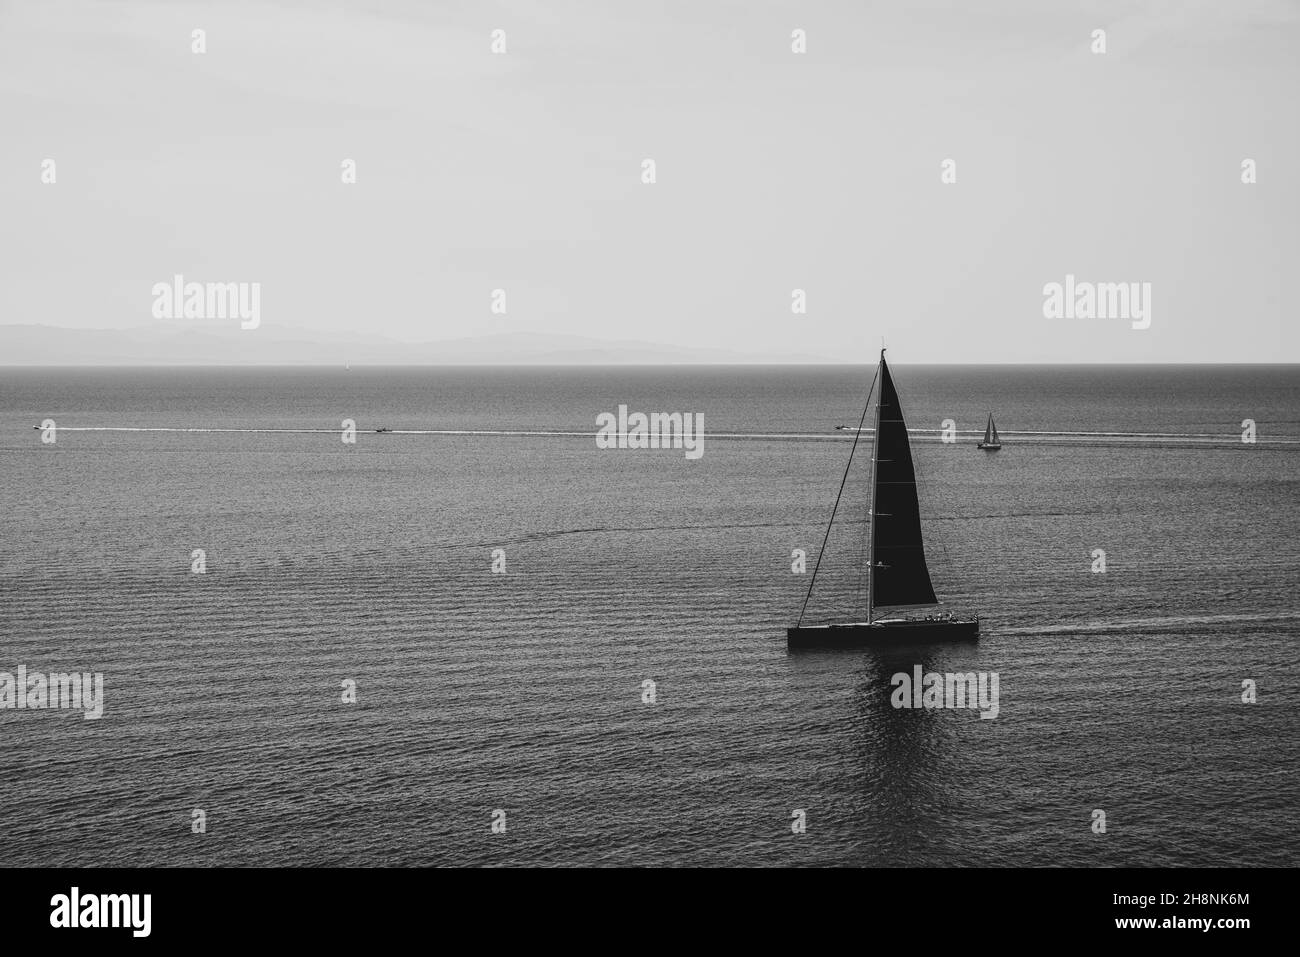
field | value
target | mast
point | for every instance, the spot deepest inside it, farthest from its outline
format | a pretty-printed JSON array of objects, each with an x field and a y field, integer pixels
[{"x": 871, "y": 530}]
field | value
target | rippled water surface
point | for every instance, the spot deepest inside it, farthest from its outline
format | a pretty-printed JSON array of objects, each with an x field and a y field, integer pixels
[{"x": 1118, "y": 691}]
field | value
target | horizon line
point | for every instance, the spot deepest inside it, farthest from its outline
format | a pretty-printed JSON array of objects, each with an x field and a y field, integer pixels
[{"x": 607, "y": 365}]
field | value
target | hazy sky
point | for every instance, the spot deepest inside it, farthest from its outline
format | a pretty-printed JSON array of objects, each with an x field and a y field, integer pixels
[{"x": 775, "y": 170}]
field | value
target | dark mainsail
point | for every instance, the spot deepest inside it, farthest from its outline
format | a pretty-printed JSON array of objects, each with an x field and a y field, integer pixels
[{"x": 899, "y": 575}]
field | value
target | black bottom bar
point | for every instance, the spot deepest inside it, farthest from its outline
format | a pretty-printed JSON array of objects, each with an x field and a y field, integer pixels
[{"x": 954, "y": 909}]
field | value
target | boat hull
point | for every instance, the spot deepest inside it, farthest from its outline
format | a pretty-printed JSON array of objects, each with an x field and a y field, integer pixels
[{"x": 863, "y": 635}]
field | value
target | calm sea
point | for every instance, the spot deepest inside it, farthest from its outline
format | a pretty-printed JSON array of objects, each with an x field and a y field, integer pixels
[{"x": 327, "y": 562}]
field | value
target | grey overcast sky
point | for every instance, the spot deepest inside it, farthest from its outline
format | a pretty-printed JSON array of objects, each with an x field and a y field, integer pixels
[{"x": 775, "y": 170}]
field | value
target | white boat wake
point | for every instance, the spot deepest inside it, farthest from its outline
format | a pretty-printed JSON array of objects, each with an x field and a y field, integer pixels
[{"x": 1132, "y": 624}]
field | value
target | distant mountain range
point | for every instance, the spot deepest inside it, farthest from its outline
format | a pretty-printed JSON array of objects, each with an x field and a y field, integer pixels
[{"x": 195, "y": 342}]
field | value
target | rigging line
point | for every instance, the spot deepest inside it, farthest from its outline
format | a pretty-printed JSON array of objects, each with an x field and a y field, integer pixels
[
  {"x": 869, "y": 533},
  {"x": 862, "y": 577},
  {"x": 826, "y": 537}
]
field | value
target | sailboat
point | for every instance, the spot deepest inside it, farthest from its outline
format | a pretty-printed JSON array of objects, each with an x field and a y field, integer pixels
[
  {"x": 990, "y": 443},
  {"x": 898, "y": 579}
]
